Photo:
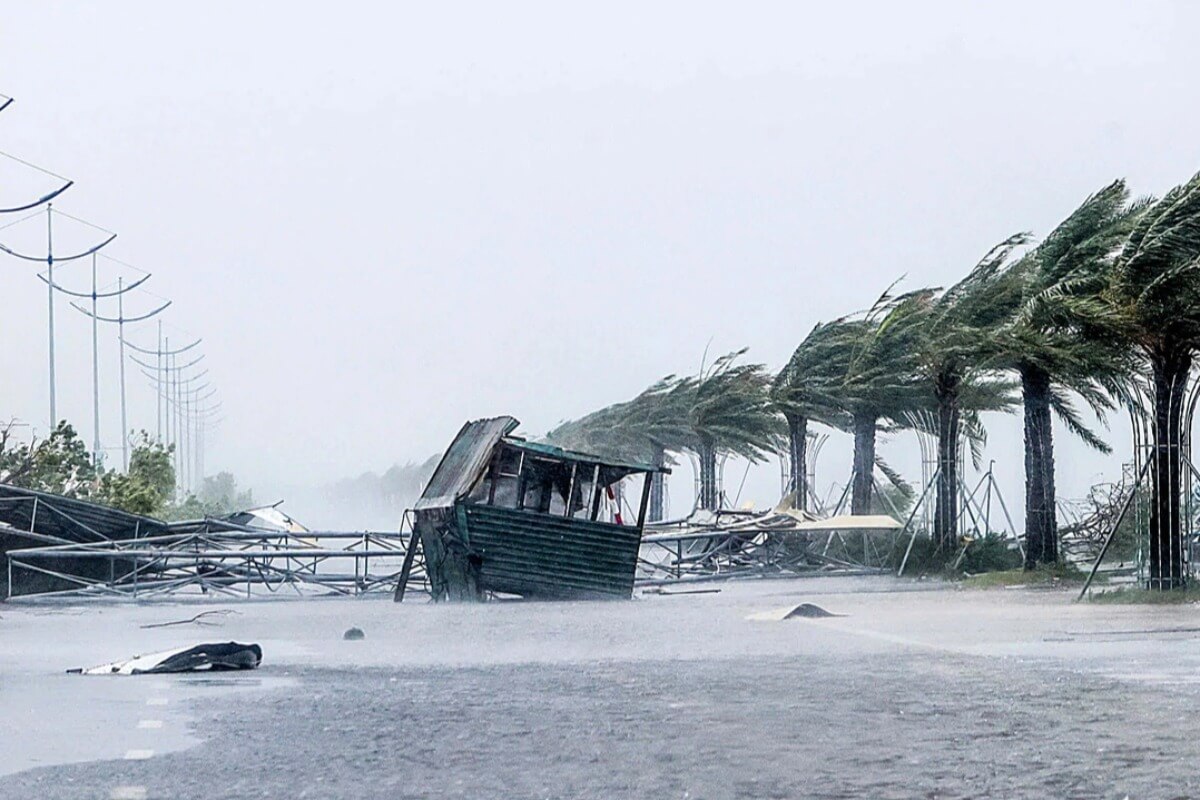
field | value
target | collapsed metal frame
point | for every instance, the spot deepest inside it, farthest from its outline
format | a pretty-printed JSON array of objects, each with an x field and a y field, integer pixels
[
  {"x": 753, "y": 545},
  {"x": 223, "y": 558}
]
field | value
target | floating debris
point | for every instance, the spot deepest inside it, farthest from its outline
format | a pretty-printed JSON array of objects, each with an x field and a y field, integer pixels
[
  {"x": 216, "y": 656},
  {"x": 354, "y": 634},
  {"x": 208, "y": 619}
]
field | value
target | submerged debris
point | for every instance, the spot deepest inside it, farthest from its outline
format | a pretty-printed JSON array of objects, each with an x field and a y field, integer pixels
[
  {"x": 801, "y": 611},
  {"x": 354, "y": 634}
]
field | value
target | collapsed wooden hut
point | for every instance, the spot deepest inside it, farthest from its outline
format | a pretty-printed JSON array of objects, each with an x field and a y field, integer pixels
[{"x": 503, "y": 515}]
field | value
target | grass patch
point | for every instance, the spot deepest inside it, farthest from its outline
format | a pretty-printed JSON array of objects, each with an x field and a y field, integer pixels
[
  {"x": 989, "y": 554},
  {"x": 1136, "y": 595},
  {"x": 1056, "y": 575}
]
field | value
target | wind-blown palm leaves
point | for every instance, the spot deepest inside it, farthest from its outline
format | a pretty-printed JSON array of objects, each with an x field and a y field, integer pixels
[
  {"x": 1054, "y": 353},
  {"x": 953, "y": 324},
  {"x": 645, "y": 429},
  {"x": 725, "y": 410},
  {"x": 1152, "y": 298},
  {"x": 731, "y": 413},
  {"x": 878, "y": 382},
  {"x": 803, "y": 392}
]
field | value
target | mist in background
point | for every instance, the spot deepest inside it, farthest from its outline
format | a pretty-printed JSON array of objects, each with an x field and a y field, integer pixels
[{"x": 386, "y": 219}]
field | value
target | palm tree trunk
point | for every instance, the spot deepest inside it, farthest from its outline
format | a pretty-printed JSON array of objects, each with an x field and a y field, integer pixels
[
  {"x": 709, "y": 499},
  {"x": 657, "y": 487},
  {"x": 1041, "y": 523},
  {"x": 1170, "y": 372},
  {"x": 864, "y": 464},
  {"x": 798, "y": 459},
  {"x": 945, "y": 514}
]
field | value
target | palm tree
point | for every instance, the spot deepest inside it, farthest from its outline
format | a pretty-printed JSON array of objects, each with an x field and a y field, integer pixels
[
  {"x": 953, "y": 324},
  {"x": 1053, "y": 354},
  {"x": 802, "y": 393},
  {"x": 1151, "y": 294},
  {"x": 731, "y": 413},
  {"x": 878, "y": 382},
  {"x": 646, "y": 429},
  {"x": 658, "y": 417}
]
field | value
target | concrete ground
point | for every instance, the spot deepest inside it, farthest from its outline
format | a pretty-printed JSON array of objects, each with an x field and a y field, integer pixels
[{"x": 917, "y": 690}]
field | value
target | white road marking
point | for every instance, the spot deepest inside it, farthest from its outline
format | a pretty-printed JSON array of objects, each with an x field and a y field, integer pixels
[
  {"x": 128, "y": 793},
  {"x": 138, "y": 755},
  {"x": 157, "y": 701},
  {"x": 150, "y": 724}
]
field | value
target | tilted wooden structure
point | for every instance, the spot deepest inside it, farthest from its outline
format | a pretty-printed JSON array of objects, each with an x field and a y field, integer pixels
[{"x": 502, "y": 515}]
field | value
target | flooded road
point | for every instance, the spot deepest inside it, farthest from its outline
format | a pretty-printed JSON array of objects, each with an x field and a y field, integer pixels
[{"x": 927, "y": 693}]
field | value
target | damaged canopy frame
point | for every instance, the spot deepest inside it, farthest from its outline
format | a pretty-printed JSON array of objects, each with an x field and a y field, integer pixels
[{"x": 502, "y": 515}]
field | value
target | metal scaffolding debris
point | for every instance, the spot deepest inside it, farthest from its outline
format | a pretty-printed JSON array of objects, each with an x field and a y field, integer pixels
[
  {"x": 85, "y": 549},
  {"x": 783, "y": 542}
]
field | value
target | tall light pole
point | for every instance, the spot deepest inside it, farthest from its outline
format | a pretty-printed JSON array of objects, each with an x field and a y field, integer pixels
[
  {"x": 202, "y": 417},
  {"x": 161, "y": 354},
  {"x": 50, "y": 260},
  {"x": 121, "y": 320},
  {"x": 174, "y": 390},
  {"x": 97, "y": 449}
]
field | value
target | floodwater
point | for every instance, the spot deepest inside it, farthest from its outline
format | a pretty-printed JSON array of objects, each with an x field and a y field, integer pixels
[{"x": 916, "y": 690}]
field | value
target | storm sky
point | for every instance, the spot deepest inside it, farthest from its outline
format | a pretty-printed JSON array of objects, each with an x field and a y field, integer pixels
[{"x": 386, "y": 219}]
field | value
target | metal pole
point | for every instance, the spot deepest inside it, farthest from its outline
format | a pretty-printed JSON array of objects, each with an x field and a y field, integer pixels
[
  {"x": 50, "y": 296},
  {"x": 163, "y": 391},
  {"x": 121, "y": 337},
  {"x": 200, "y": 452},
  {"x": 97, "y": 453},
  {"x": 158, "y": 400},
  {"x": 1113, "y": 532},
  {"x": 177, "y": 433},
  {"x": 187, "y": 439}
]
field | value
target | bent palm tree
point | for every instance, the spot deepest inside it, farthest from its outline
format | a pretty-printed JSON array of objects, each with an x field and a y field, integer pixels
[
  {"x": 646, "y": 429},
  {"x": 1152, "y": 296},
  {"x": 878, "y": 382},
  {"x": 802, "y": 392},
  {"x": 954, "y": 325},
  {"x": 731, "y": 413},
  {"x": 1052, "y": 353}
]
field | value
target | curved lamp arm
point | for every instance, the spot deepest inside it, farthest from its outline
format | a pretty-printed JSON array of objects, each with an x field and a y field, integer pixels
[
  {"x": 87, "y": 313},
  {"x": 44, "y": 199},
  {"x": 15, "y": 254},
  {"x": 85, "y": 295},
  {"x": 161, "y": 352}
]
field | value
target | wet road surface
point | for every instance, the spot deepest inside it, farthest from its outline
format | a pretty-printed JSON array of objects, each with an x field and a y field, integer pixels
[{"x": 910, "y": 694}]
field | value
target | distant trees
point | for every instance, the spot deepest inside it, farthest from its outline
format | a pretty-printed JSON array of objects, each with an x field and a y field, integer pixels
[
  {"x": 61, "y": 464},
  {"x": 218, "y": 496}
]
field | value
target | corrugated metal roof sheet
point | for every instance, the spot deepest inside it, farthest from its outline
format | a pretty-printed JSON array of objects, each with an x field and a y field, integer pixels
[
  {"x": 464, "y": 461},
  {"x": 69, "y": 518}
]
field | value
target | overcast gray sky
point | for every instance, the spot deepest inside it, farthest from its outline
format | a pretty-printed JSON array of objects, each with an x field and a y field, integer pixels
[{"x": 385, "y": 219}]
